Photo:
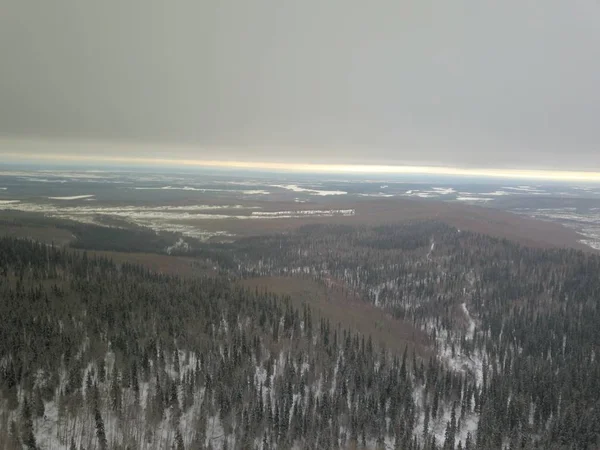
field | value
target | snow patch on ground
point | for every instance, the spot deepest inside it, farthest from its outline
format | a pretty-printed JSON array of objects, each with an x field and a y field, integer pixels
[
  {"x": 305, "y": 368},
  {"x": 72, "y": 197},
  {"x": 45, "y": 180},
  {"x": 461, "y": 362},
  {"x": 215, "y": 434},
  {"x": 444, "y": 191},
  {"x": 497, "y": 193},
  {"x": 179, "y": 245},
  {"x": 177, "y": 219},
  {"x": 471, "y": 322},
  {"x": 458, "y": 360},
  {"x": 422, "y": 194},
  {"x": 586, "y": 223},
  {"x": 474, "y": 199},
  {"x": 468, "y": 425},
  {"x": 260, "y": 375},
  {"x": 528, "y": 189},
  {"x": 45, "y": 427},
  {"x": 438, "y": 426},
  {"x": 256, "y": 192},
  {"x": 380, "y": 194},
  {"x": 172, "y": 188},
  {"x": 198, "y": 189},
  {"x": 301, "y": 213},
  {"x": 431, "y": 249},
  {"x": 296, "y": 188}
]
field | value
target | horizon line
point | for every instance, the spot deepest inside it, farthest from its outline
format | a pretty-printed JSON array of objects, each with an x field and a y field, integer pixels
[{"x": 535, "y": 174}]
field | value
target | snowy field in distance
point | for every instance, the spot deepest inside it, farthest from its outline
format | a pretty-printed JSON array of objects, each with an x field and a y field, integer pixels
[{"x": 148, "y": 199}]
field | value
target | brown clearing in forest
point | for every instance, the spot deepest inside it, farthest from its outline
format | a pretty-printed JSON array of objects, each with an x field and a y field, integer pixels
[
  {"x": 346, "y": 309},
  {"x": 370, "y": 212},
  {"x": 165, "y": 264},
  {"x": 46, "y": 235}
]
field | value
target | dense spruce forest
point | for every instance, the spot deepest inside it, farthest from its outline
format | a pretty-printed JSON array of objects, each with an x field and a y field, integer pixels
[
  {"x": 95, "y": 355},
  {"x": 520, "y": 323}
]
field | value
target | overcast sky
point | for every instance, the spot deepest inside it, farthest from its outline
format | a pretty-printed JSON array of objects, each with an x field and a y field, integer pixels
[{"x": 507, "y": 83}]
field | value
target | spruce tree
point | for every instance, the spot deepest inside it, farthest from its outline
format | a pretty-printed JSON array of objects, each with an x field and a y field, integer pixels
[
  {"x": 178, "y": 440},
  {"x": 115, "y": 390},
  {"x": 27, "y": 426},
  {"x": 100, "y": 432},
  {"x": 39, "y": 403}
]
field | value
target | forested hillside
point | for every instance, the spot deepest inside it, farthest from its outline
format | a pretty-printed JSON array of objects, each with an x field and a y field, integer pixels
[
  {"x": 521, "y": 324},
  {"x": 95, "y": 355}
]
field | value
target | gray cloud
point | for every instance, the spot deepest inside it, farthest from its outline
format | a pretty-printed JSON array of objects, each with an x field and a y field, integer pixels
[{"x": 500, "y": 83}]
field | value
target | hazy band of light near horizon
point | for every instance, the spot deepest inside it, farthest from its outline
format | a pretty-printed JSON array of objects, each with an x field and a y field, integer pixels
[{"x": 552, "y": 175}]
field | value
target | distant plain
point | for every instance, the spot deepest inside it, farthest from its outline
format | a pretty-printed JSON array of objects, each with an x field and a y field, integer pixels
[{"x": 224, "y": 206}]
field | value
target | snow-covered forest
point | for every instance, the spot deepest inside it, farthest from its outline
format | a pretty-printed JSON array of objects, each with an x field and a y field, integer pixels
[{"x": 98, "y": 355}]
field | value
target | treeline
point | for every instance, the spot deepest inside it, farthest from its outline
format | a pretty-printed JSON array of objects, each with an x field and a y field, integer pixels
[
  {"x": 129, "y": 239},
  {"x": 120, "y": 236}
]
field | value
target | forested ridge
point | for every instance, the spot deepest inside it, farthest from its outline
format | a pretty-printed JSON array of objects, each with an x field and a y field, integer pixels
[
  {"x": 528, "y": 338},
  {"x": 96, "y": 355}
]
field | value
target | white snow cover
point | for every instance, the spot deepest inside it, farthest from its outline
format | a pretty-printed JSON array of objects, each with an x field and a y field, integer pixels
[
  {"x": 72, "y": 197},
  {"x": 296, "y": 188},
  {"x": 444, "y": 191},
  {"x": 528, "y": 189},
  {"x": 255, "y": 192},
  {"x": 469, "y": 425},
  {"x": 173, "y": 188},
  {"x": 179, "y": 245},
  {"x": 585, "y": 223},
  {"x": 178, "y": 219},
  {"x": 474, "y": 199},
  {"x": 124, "y": 211},
  {"x": 496, "y": 193},
  {"x": 438, "y": 426},
  {"x": 46, "y": 180},
  {"x": 422, "y": 194},
  {"x": 305, "y": 212},
  {"x": 471, "y": 322},
  {"x": 141, "y": 213},
  {"x": 431, "y": 248},
  {"x": 458, "y": 361},
  {"x": 191, "y": 188},
  {"x": 380, "y": 194}
]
